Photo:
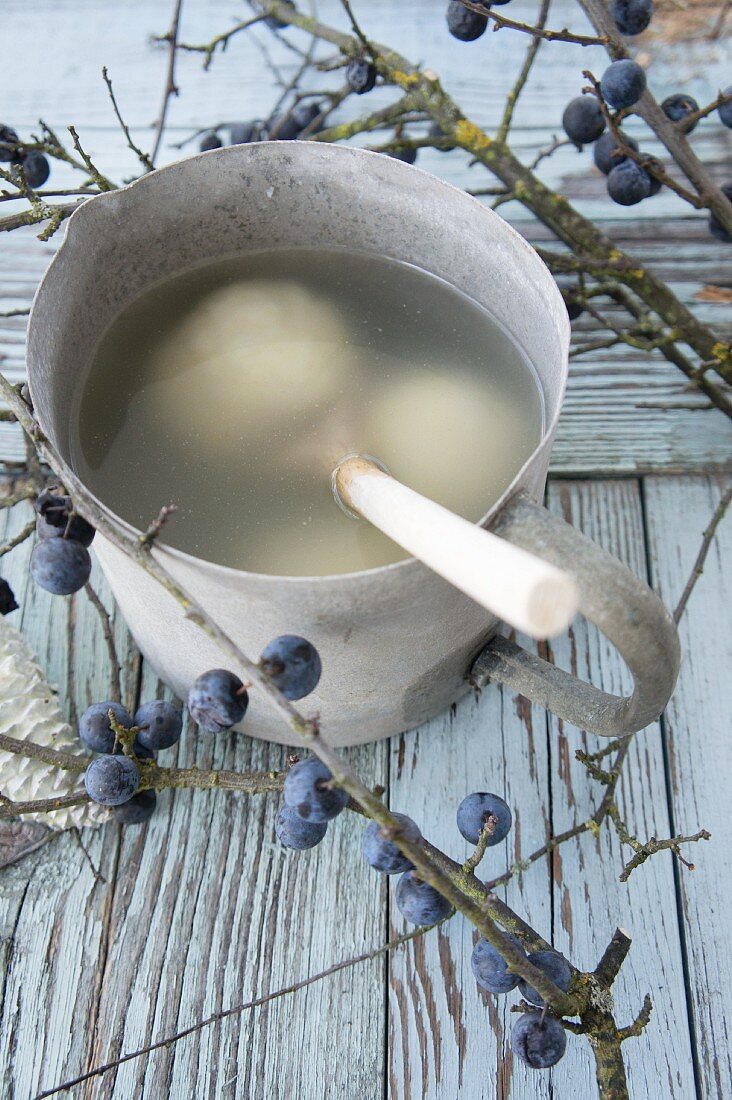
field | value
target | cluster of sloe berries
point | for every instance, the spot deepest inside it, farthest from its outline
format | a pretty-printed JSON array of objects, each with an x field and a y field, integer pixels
[
  {"x": 112, "y": 778},
  {"x": 60, "y": 561},
  {"x": 311, "y": 800},
  {"x": 302, "y": 116},
  {"x": 33, "y": 164},
  {"x": 217, "y": 701}
]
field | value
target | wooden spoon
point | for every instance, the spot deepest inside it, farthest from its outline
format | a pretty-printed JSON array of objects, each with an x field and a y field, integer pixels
[{"x": 519, "y": 588}]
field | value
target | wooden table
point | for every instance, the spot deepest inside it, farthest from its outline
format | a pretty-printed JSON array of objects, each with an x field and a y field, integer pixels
[{"x": 151, "y": 929}]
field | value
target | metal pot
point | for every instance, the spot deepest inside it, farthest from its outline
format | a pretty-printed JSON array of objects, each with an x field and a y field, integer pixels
[{"x": 397, "y": 643}]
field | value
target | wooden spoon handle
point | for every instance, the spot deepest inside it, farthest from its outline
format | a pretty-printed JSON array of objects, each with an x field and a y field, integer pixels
[{"x": 515, "y": 585}]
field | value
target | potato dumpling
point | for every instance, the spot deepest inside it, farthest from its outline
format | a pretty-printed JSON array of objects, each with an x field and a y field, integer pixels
[{"x": 442, "y": 432}]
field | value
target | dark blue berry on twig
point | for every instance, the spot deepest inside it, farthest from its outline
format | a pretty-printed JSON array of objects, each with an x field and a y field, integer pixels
[
  {"x": 538, "y": 1040},
  {"x": 310, "y": 792},
  {"x": 211, "y": 140},
  {"x": 476, "y": 811},
  {"x": 628, "y": 183},
  {"x": 490, "y": 968},
  {"x": 607, "y": 153},
  {"x": 112, "y": 780},
  {"x": 463, "y": 23},
  {"x": 160, "y": 724},
  {"x": 381, "y": 853},
  {"x": 715, "y": 226},
  {"x": 556, "y": 968},
  {"x": 217, "y": 700},
  {"x": 95, "y": 730},
  {"x": 36, "y": 168},
  {"x": 9, "y": 142},
  {"x": 293, "y": 832},
  {"x": 7, "y": 598},
  {"x": 360, "y": 75},
  {"x": 623, "y": 83},
  {"x": 725, "y": 110},
  {"x": 138, "y": 809},
  {"x": 61, "y": 566},
  {"x": 677, "y": 107},
  {"x": 632, "y": 16},
  {"x": 583, "y": 120},
  {"x": 419, "y": 902},
  {"x": 293, "y": 665}
]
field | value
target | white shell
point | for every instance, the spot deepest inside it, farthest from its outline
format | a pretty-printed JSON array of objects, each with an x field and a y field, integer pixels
[{"x": 30, "y": 711}]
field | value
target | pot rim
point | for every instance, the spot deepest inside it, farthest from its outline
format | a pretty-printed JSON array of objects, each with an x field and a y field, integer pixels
[{"x": 324, "y": 149}]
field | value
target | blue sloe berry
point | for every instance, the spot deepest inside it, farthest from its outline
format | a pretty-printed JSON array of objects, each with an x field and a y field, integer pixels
[
  {"x": 360, "y": 75},
  {"x": 538, "y": 1040},
  {"x": 139, "y": 808},
  {"x": 7, "y": 598},
  {"x": 217, "y": 700},
  {"x": 112, "y": 780},
  {"x": 725, "y": 110},
  {"x": 628, "y": 183},
  {"x": 632, "y": 16},
  {"x": 9, "y": 146},
  {"x": 409, "y": 156},
  {"x": 61, "y": 566},
  {"x": 653, "y": 162},
  {"x": 715, "y": 226},
  {"x": 419, "y": 902},
  {"x": 307, "y": 791},
  {"x": 575, "y": 308},
  {"x": 381, "y": 853},
  {"x": 293, "y": 832},
  {"x": 623, "y": 83},
  {"x": 583, "y": 120},
  {"x": 463, "y": 23},
  {"x": 474, "y": 811},
  {"x": 607, "y": 153},
  {"x": 36, "y": 168},
  {"x": 678, "y": 106},
  {"x": 297, "y": 120},
  {"x": 56, "y": 517},
  {"x": 436, "y": 131},
  {"x": 161, "y": 724},
  {"x": 94, "y": 729},
  {"x": 293, "y": 665},
  {"x": 556, "y": 968},
  {"x": 276, "y": 24},
  {"x": 490, "y": 968},
  {"x": 211, "y": 140},
  {"x": 242, "y": 133}
]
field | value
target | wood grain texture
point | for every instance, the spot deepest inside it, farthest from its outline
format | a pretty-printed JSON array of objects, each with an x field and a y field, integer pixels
[
  {"x": 54, "y": 914},
  {"x": 697, "y": 737},
  {"x": 209, "y": 911},
  {"x": 588, "y": 900}
]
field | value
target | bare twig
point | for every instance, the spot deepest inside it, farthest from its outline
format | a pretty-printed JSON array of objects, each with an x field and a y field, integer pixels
[
  {"x": 564, "y": 35},
  {"x": 707, "y": 539},
  {"x": 143, "y": 157},
  {"x": 41, "y": 805},
  {"x": 115, "y": 667},
  {"x": 236, "y": 1010},
  {"x": 170, "y": 88},
  {"x": 147, "y": 538},
  {"x": 101, "y": 181},
  {"x": 16, "y": 540},
  {"x": 221, "y": 41},
  {"x": 523, "y": 76}
]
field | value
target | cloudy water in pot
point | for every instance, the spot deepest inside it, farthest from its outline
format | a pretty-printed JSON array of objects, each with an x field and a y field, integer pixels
[{"x": 233, "y": 389}]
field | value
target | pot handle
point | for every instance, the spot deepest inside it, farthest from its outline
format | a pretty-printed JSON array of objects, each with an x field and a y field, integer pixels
[{"x": 625, "y": 609}]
